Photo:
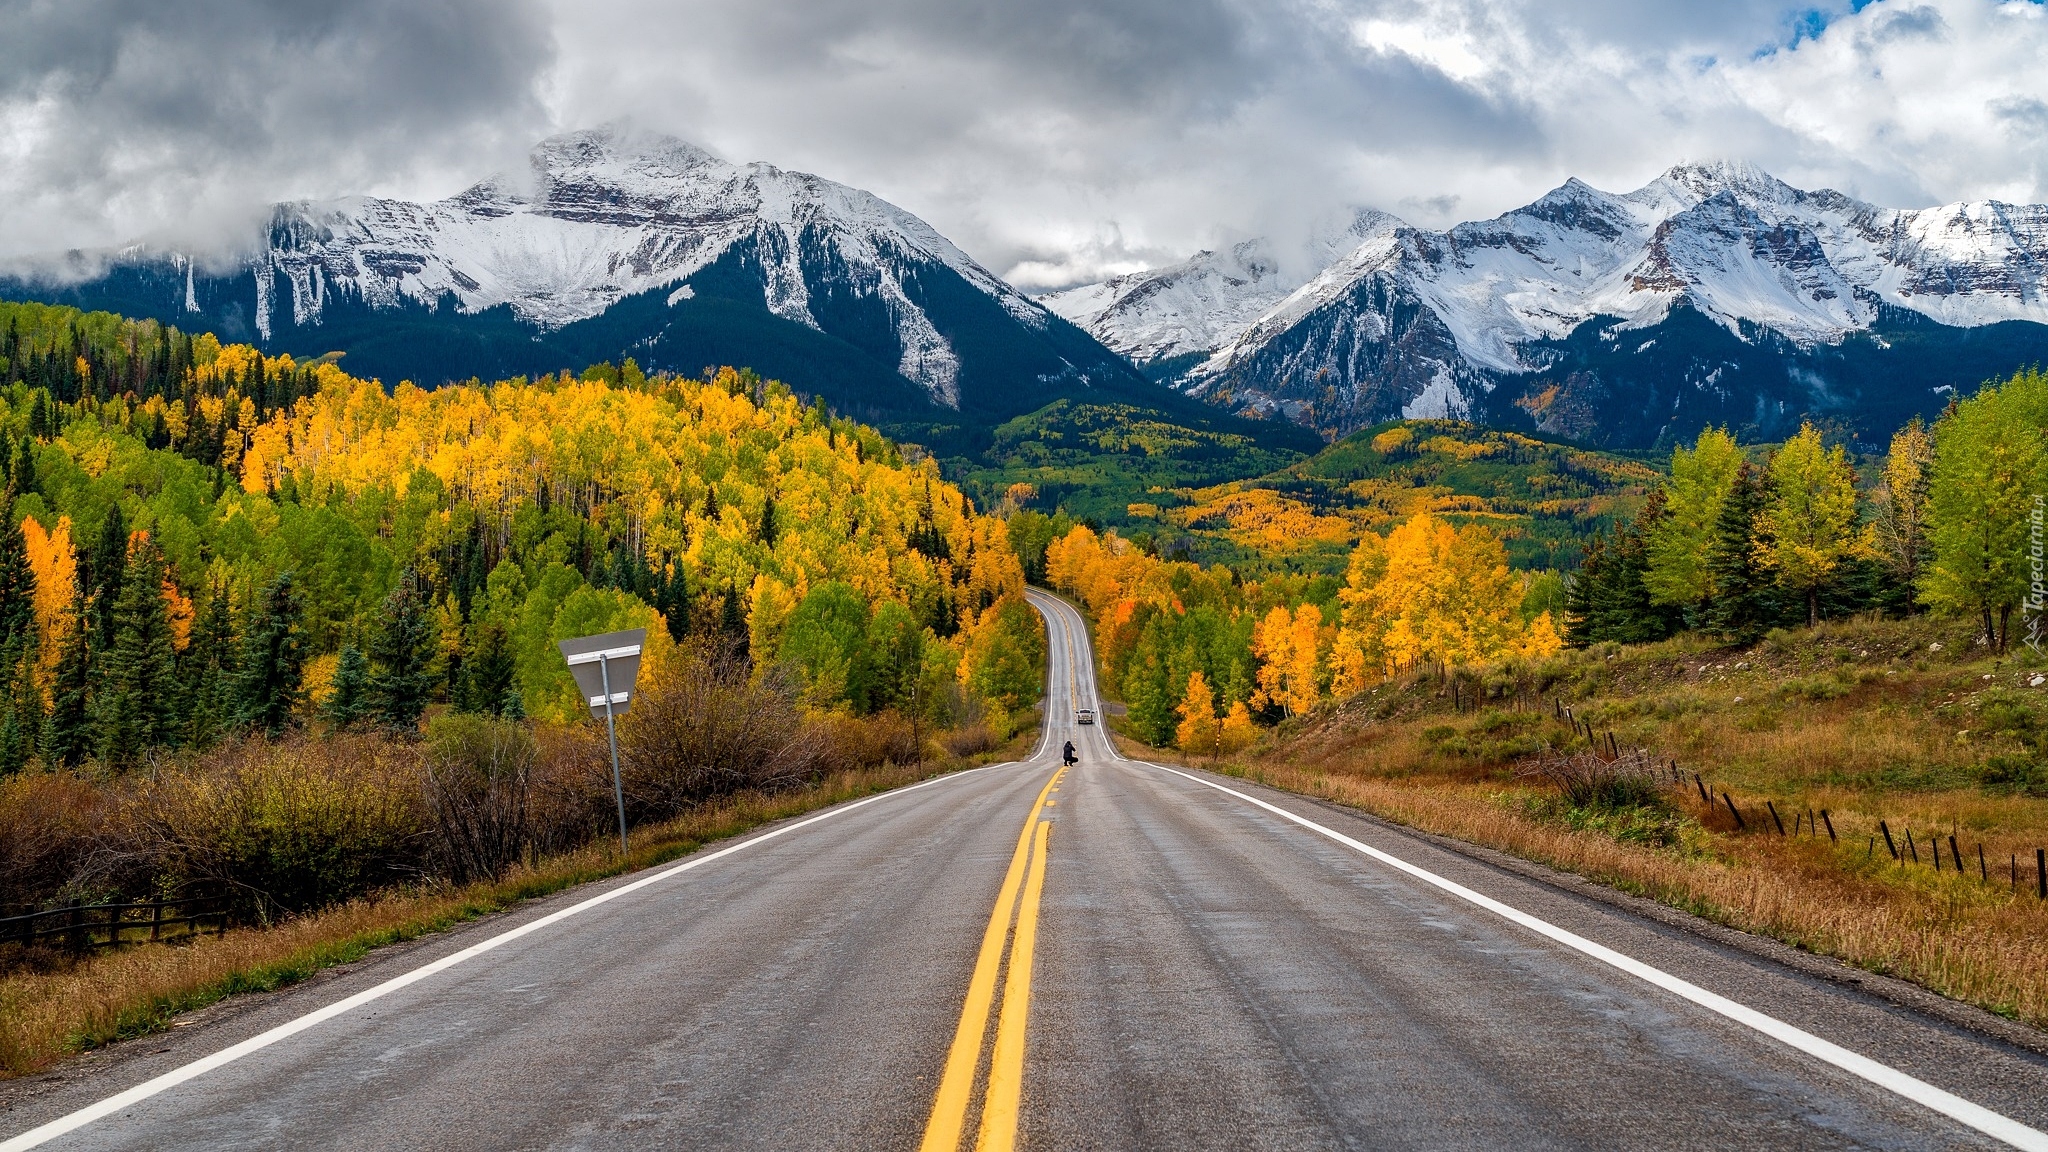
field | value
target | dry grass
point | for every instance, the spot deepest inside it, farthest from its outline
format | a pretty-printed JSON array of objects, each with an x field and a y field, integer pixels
[
  {"x": 1862, "y": 720},
  {"x": 45, "y": 1016}
]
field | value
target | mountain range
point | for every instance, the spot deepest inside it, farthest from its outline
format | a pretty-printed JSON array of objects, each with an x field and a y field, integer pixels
[
  {"x": 1715, "y": 294},
  {"x": 610, "y": 247}
]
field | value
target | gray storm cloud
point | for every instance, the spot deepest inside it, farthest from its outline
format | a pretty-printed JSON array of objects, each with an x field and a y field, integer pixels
[
  {"x": 124, "y": 119},
  {"x": 1056, "y": 140}
]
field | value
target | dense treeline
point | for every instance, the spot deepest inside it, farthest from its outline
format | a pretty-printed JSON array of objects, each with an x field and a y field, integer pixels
[
  {"x": 202, "y": 540},
  {"x": 1735, "y": 546},
  {"x": 1200, "y": 655}
]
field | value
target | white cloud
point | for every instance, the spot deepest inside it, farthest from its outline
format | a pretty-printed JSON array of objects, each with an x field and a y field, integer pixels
[{"x": 1056, "y": 140}]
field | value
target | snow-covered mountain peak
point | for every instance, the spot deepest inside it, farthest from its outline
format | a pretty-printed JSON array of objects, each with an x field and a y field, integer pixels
[
  {"x": 1706, "y": 178},
  {"x": 605, "y": 216},
  {"x": 1426, "y": 316}
]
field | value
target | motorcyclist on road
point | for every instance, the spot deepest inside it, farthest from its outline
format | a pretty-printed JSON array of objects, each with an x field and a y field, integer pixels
[{"x": 1067, "y": 756}]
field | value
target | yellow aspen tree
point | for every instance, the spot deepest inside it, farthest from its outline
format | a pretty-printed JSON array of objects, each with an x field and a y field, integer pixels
[
  {"x": 178, "y": 610},
  {"x": 1273, "y": 646},
  {"x": 1809, "y": 524},
  {"x": 1236, "y": 732},
  {"x": 55, "y": 564},
  {"x": 1542, "y": 638},
  {"x": 1898, "y": 530},
  {"x": 1199, "y": 731},
  {"x": 1305, "y": 672}
]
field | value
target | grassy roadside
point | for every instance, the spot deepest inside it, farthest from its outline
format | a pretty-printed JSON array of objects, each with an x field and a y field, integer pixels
[
  {"x": 47, "y": 1016},
  {"x": 1904, "y": 722}
]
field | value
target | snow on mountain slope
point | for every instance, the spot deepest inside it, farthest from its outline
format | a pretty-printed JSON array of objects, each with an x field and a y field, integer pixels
[
  {"x": 525, "y": 273},
  {"x": 1421, "y": 322},
  {"x": 606, "y": 220},
  {"x": 1209, "y": 299}
]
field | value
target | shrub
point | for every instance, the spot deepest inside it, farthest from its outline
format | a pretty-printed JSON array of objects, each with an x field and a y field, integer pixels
[
  {"x": 54, "y": 843},
  {"x": 703, "y": 727},
  {"x": 287, "y": 827},
  {"x": 969, "y": 739},
  {"x": 478, "y": 776},
  {"x": 869, "y": 742},
  {"x": 2022, "y": 774},
  {"x": 1587, "y": 781}
]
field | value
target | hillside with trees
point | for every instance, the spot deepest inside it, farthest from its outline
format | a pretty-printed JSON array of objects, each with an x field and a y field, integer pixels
[{"x": 207, "y": 550}]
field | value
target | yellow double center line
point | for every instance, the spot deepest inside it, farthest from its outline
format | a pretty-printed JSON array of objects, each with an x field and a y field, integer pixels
[{"x": 1006, "y": 1067}]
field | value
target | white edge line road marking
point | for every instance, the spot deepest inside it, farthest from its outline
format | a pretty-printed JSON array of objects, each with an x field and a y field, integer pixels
[
  {"x": 1919, "y": 1091},
  {"x": 148, "y": 1088},
  {"x": 1993, "y": 1124}
]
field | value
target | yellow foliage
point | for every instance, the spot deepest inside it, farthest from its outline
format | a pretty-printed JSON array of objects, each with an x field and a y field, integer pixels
[
  {"x": 1199, "y": 732},
  {"x": 1264, "y": 520},
  {"x": 649, "y": 459},
  {"x": 178, "y": 609},
  {"x": 55, "y": 564},
  {"x": 1289, "y": 646},
  {"x": 1392, "y": 440},
  {"x": 1236, "y": 732},
  {"x": 1430, "y": 592}
]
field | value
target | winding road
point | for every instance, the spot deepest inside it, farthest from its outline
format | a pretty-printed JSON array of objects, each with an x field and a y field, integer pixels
[{"x": 1119, "y": 955}]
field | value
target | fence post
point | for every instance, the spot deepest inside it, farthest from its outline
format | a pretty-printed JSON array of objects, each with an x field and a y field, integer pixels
[
  {"x": 2041, "y": 873},
  {"x": 1740, "y": 824},
  {"x": 77, "y": 928},
  {"x": 1830, "y": 823},
  {"x": 1887, "y": 830},
  {"x": 1774, "y": 817}
]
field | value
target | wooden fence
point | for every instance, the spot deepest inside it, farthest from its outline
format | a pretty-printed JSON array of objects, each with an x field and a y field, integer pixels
[{"x": 86, "y": 927}]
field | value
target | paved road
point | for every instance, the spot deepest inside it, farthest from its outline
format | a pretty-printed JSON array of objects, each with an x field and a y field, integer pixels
[{"x": 1204, "y": 973}]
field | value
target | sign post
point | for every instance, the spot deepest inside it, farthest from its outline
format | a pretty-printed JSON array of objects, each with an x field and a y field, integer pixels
[{"x": 605, "y": 667}]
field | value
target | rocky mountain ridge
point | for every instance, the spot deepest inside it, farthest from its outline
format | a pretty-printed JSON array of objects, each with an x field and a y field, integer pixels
[
  {"x": 611, "y": 246},
  {"x": 1776, "y": 304}
]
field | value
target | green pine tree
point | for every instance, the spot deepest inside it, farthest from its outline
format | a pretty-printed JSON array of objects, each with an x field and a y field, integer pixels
[
  {"x": 138, "y": 705},
  {"x": 273, "y": 661},
  {"x": 207, "y": 668},
  {"x": 349, "y": 701},
  {"x": 22, "y": 728},
  {"x": 672, "y": 600},
  {"x": 732, "y": 621},
  {"x": 104, "y": 569},
  {"x": 488, "y": 676},
  {"x": 402, "y": 657},
  {"x": 1609, "y": 599},
  {"x": 17, "y": 584},
  {"x": 1746, "y": 600}
]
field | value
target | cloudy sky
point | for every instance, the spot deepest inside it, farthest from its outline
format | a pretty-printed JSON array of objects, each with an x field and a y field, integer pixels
[{"x": 1056, "y": 140}]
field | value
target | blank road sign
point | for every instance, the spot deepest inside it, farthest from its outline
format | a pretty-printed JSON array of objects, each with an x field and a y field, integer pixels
[{"x": 592, "y": 658}]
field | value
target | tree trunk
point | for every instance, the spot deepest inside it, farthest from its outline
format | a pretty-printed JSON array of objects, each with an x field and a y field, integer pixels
[{"x": 1813, "y": 606}]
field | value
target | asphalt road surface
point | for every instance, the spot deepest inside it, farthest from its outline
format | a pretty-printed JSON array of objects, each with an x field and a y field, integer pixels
[{"x": 1120, "y": 955}]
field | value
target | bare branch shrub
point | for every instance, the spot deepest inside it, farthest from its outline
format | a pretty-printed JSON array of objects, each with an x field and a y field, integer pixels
[
  {"x": 1589, "y": 780},
  {"x": 703, "y": 728},
  {"x": 478, "y": 776},
  {"x": 871, "y": 741},
  {"x": 54, "y": 841},
  {"x": 969, "y": 739}
]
